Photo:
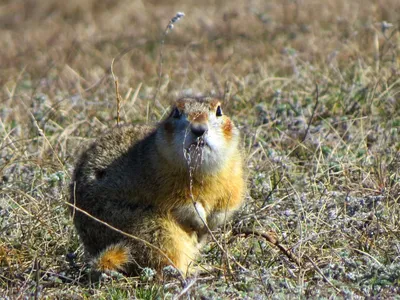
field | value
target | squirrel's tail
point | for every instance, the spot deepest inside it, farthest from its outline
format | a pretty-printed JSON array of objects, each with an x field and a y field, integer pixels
[{"x": 114, "y": 258}]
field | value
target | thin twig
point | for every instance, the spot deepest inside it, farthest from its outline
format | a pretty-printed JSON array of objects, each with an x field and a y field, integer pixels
[
  {"x": 107, "y": 71},
  {"x": 169, "y": 27},
  {"x": 216, "y": 241},
  {"x": 270, "y": 239},
  {"x": 126, "y": 234},
  {"x": 206, "y": 225},
  {"x": 366, "y": 254},
  {"x": 321, "y": 273},
  {"x": 227, "y": 92},
  {"x": 191, "y": 168},
  {"x": 313, "y": 112},
  {"x": 186, "y": 289},
  {"x": 272, "y": 191},
  {"x": 117, "y": 94},
  {"x": 37, "y": 277}
]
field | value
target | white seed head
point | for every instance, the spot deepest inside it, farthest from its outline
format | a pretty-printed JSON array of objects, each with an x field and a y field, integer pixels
[{"x": 176, "y": 18}]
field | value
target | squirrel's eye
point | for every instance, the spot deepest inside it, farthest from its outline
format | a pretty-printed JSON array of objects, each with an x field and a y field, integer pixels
[
  {"x": 176, "y": 113},
  {"x": 219, "y": 111}
]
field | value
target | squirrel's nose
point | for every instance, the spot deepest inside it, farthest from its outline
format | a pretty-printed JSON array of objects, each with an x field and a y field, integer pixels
[{"x": 198, "y": 129}]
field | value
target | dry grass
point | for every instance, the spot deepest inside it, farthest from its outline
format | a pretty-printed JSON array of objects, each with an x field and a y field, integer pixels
[{"x": 323, "y": 171}]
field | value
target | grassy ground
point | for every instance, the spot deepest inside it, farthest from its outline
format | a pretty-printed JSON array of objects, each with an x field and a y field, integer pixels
[{"x": 314, "y": 87}]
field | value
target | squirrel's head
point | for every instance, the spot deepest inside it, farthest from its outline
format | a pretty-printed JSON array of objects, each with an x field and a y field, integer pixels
[{"x": 197, "y": 134}]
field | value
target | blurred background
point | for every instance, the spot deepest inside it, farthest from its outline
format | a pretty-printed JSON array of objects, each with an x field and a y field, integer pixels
[{"x": 76, "y": 41}]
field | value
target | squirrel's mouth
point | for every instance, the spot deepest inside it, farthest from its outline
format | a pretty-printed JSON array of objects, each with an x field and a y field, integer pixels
[{"x": 198, "y": 144}]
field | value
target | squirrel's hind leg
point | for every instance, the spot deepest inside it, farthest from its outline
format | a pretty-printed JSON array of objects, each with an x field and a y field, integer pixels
[{"x": 180, "y": 246}]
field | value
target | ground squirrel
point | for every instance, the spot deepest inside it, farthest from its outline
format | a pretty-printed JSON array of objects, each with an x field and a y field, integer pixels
[{"x": 160, "y": 183}]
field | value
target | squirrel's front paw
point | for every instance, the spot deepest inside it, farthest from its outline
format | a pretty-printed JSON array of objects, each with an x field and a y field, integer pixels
[
  {"x": 191, "y": 216},
  {"x": 218, "y": 218}
]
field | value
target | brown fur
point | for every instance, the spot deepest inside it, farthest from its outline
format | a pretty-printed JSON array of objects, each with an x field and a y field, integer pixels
[
  {"x": 198, "y": 117},
  {"x": 125, "y": 180},
  {"x": 227, "y": 128}
]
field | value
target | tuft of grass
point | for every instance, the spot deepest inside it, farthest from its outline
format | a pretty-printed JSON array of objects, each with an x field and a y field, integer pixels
[{"x": 323, "y": 170}]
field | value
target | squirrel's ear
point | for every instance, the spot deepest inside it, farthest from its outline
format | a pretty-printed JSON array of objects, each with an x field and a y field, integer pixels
[
  {"x": 219, "y": 111},
  {"x": 176, "y": 113}
]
